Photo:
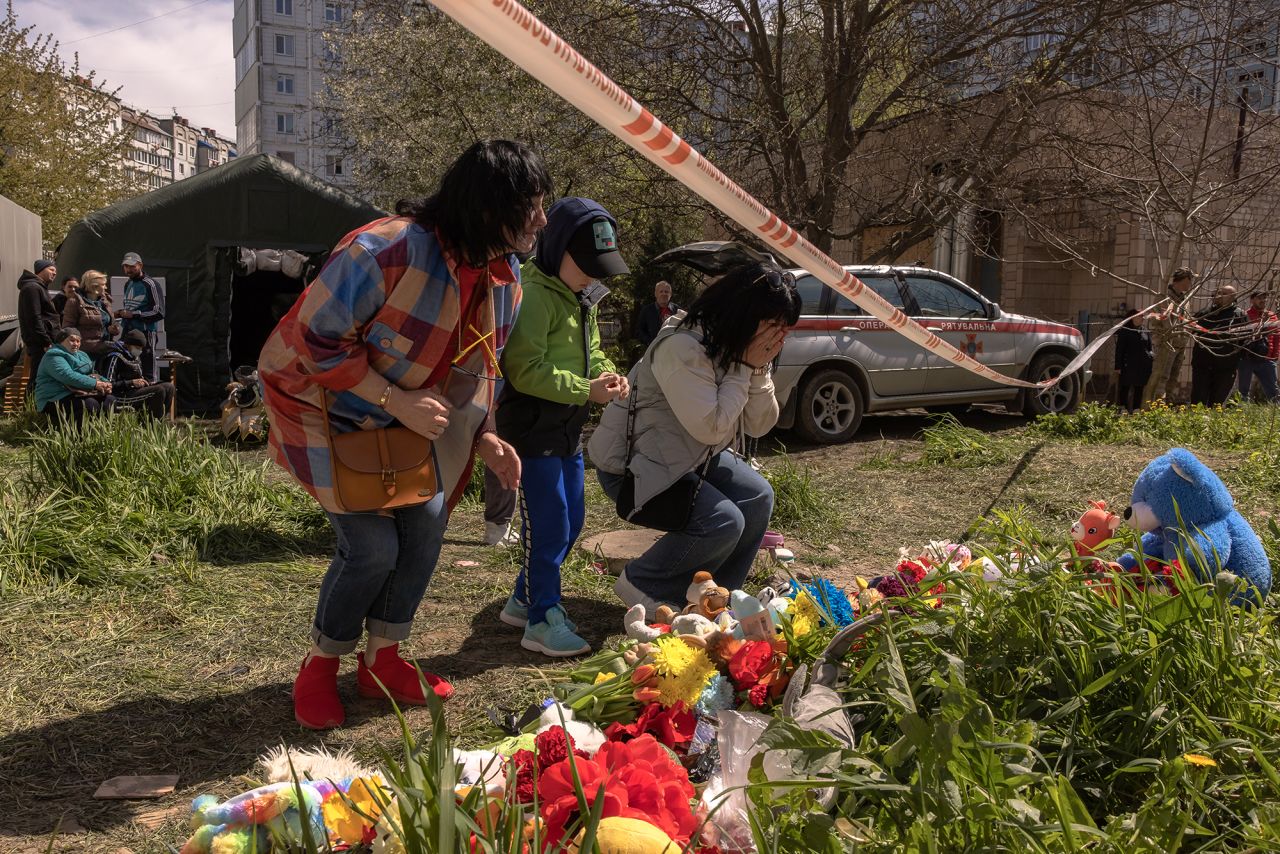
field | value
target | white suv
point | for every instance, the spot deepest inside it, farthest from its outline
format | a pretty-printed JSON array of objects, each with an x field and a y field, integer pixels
[{"x": 840, "y": 362}]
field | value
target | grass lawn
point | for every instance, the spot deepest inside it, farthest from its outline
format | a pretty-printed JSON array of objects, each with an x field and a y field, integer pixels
[{"x": 187, "y": 670}]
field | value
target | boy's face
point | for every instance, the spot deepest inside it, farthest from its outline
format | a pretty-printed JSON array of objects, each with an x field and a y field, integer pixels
[{"x": 571, "y": 274}]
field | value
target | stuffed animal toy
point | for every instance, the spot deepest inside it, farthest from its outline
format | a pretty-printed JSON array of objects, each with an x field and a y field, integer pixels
[
  {"x": 312, "y": 787},
  {"x": 1094, "y": 528},
  {"x": 704, "y": 596},
  {"x": 1186, "y": 515}
]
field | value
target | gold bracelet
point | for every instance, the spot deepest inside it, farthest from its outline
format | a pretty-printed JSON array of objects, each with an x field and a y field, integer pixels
[
  {"x": 386, "y": 396},
  {"x": 760, "y": 371}
]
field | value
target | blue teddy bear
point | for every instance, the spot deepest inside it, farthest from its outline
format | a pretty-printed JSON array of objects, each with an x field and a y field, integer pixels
[{"x": 1187, "y": 515}]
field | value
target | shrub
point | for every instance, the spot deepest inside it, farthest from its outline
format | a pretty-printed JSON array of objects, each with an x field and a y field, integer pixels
[{"x": 1240, "y": 427}]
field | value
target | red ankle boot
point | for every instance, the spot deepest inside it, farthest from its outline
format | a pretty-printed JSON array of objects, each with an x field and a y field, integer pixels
[
  {"x": 315, "y": 694},
  {"x": 400, "y": 678}
]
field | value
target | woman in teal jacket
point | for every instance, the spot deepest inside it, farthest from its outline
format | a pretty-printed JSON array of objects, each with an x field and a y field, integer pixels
[{"x": 66, "y": 384}]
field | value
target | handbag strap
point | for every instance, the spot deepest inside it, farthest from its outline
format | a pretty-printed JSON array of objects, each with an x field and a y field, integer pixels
[{"x": 631, "y": 428}]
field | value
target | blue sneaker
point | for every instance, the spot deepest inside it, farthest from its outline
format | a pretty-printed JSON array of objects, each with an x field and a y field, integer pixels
[
  {"x": 553, "y": 637},
  {"x": 516, "y": 614}
]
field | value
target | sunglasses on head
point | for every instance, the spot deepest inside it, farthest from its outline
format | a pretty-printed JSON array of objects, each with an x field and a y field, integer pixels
[{"x": 776, "y": 278}]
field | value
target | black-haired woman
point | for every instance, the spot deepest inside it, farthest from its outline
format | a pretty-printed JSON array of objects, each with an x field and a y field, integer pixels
[
  {"x": 702, "y": 385},
  {"x": 403, "y": 326}
]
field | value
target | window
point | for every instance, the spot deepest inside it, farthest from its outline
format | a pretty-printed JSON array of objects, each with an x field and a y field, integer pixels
[
  {"x": 333, "y": 165},
  {"x": 937, "y": 298},
  {"x": 284, "y": 7},
  {"x": 284, "y": 122},
  {"x": 286, "y": 156},
  {"x": 284, "y": 45},
  {"x": 246, "y": 57},
  {"x": 811, "y": 290},
  {"x": 331, "y": 52},
  {"x": 883, "y": 286},
  {"x": 182, "y": 169},
  {"x": 284, "y": 84},
  {"x": 180, "y": 149},
  {"x": 333, "y": 13}
]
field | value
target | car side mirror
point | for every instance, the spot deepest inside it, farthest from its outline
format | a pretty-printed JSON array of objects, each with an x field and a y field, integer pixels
[{"x": 993, "y": 310}]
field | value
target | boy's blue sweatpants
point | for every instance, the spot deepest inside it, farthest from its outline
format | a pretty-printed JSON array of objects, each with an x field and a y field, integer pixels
[{"x": 552, "y": 511}]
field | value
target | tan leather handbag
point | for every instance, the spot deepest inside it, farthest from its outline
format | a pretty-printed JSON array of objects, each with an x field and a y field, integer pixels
[{"x": 380, "y": 469}]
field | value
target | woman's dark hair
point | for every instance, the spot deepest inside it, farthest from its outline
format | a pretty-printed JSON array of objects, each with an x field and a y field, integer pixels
[
  {"x": 485, "y": 197},
  {"x": 731, "y": 310},
  {"x": 64, "y": 333}
]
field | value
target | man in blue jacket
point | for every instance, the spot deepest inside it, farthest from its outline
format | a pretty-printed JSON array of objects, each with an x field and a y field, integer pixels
[{"x": 143, "y": 309}]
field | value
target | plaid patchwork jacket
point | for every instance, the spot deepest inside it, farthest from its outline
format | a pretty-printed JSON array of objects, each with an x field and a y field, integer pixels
[{"x": 387, "y": 301}]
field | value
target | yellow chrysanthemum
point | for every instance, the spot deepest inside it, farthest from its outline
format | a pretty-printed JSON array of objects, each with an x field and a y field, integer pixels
[
  {"x": 604, "y": 676},
  {"x": 1200, "y": 759},
  {"x": 343, "y": 815},
  {"x": 801, "y": 625},
  {"x": 683, "y": 671},
  {"x": 806, "y": 609}
]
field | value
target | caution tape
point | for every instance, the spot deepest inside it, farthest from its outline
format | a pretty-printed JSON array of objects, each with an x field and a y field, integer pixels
[{"x": 517, "y": 33}]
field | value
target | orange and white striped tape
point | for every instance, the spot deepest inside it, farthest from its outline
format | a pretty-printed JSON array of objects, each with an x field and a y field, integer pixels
[{"x": 517, "y": 33}]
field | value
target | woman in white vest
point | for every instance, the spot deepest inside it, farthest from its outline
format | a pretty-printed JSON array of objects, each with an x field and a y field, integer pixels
[{"x": 703, "y": 385}]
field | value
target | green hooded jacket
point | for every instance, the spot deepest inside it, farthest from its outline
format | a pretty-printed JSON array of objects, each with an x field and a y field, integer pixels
[{"x": 548, "y": 381}]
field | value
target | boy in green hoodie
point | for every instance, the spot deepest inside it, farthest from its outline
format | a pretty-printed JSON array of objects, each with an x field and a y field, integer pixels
[{"x": 554, "y": 369}]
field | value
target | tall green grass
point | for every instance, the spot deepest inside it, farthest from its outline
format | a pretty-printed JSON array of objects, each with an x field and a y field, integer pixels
[
  {"x": 120, "y": 498},
  {"x": 1243, "y": 427},
  {"x": 947, "y": 442},
  {"x": 801, "y": 505}
]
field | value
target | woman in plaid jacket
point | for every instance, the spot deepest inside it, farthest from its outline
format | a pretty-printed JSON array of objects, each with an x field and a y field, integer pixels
[{"x": 404, "y": 325}]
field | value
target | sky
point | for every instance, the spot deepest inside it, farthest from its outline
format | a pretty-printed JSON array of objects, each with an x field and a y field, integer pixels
[{"x": 180, "y": 61}]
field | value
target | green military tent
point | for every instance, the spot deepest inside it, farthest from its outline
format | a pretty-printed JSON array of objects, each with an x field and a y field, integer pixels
[{"x": 191, "y": 231}]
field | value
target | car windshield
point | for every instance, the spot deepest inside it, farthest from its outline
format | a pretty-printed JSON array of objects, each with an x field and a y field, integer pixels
[{"x": 937, "y": 298}]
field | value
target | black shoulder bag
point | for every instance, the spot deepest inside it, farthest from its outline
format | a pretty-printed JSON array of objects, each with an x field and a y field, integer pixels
[{"x": 670, "y": 509}]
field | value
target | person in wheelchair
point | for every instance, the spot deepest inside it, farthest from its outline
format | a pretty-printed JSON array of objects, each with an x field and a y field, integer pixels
[{"x": 122, "y": 367}]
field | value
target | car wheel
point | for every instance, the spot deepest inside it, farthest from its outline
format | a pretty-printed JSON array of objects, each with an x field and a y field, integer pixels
[
  {"x": 1061, "y": 398},
  {"x": 830, "y": 408}
]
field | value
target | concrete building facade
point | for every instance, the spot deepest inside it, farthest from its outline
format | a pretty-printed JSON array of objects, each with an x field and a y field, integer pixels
[{"x": 282, "y": 54}]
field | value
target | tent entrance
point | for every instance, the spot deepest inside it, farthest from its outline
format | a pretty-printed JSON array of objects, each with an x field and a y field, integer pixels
[{"x": 258, "y": 301}]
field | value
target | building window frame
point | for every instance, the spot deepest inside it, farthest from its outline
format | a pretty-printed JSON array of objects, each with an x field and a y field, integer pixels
[
  {"x": 285, "y": 123},
  {"x": 284, "y": 7},
  {"x": 284, "y": 44},
  {"x": 284, "y": 84}
]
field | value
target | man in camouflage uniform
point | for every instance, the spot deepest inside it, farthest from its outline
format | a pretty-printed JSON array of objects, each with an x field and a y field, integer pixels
[{"x": 1169, "y": 339}]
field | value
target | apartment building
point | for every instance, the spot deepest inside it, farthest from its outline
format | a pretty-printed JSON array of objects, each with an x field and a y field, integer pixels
[{"x": 281, "y": 57}]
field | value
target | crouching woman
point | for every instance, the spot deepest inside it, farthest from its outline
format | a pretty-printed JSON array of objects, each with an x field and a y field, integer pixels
[
  {"x": 66, "y": 386},
  {"x": 703, "y": 385}
]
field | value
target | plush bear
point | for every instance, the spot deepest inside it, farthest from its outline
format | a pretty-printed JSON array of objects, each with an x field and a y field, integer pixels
[
  {"x": 1186, "y": 515},
  {"x": 704, "y": 596}
]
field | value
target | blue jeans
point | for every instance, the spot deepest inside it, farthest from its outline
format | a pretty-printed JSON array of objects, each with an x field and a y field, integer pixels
[
  {"x": 723, "y": 536},
  {"x": 1264, "y": 370},
  {"x": 552, "y": 511},
  {"x": 378, "y": 574}
]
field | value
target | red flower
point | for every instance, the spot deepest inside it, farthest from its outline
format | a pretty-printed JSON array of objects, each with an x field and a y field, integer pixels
[
  {"x": 751, "y": 664},
  {"x": 758, "y": 695},
  {"x": 636, "y": 779},
  {"x": 673, "y": 726},
  {"x": 913, "y": 571},
  {"x": 552, "y": 746},
  {"x": 525, "y": 763}
]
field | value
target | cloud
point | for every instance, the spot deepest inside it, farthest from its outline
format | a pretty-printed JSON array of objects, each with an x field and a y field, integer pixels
[{"x": 182, "y": 61}]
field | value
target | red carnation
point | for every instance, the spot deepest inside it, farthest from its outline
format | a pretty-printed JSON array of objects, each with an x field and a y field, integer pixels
[
  {"x": 552, "y": 746},
  {"x": 526, "y": 763}
]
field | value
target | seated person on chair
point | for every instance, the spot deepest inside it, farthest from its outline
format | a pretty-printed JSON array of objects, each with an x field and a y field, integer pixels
[
  {"x": 122, "y": 367},
  {"x": 66, "y": 386}
]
